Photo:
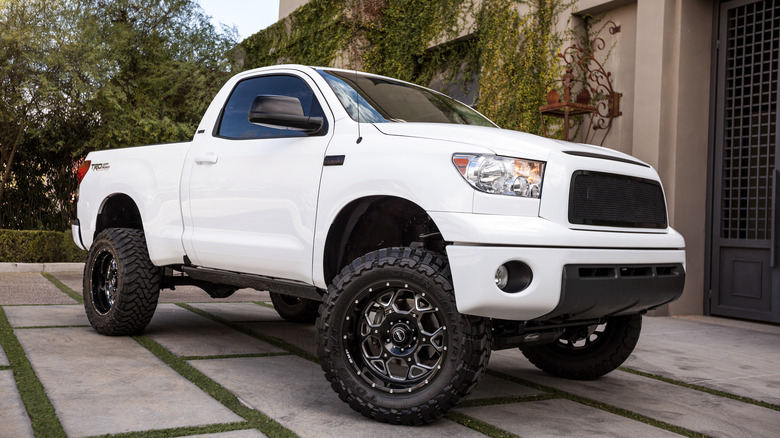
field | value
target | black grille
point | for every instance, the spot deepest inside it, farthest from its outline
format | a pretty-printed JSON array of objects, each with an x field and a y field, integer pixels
[{"x": 605, "y": 199}]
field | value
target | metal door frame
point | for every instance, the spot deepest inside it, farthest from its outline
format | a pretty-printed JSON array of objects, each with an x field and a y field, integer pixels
[{"x": 715, "y": 173}]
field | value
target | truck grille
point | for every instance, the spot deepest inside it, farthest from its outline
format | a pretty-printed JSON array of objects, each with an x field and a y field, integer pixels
[{"x": 605, "y": 199}]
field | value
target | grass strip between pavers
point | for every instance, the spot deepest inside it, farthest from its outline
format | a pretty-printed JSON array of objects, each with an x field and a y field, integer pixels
[
  {"x": 492, "y": 401},
  {"x": 181, "y": 431},
  {"x": 268, "y": 339},
  {"x": 43, "y": 419},
  {"x": 255, "y": 419},
  {"x": 602, "y": 406},
  {"x": 235, "y": 356},
  {"x": 61, "y": 286},
  {"x": 712, "y": 391},
  {"x": 478, "y": 425}
]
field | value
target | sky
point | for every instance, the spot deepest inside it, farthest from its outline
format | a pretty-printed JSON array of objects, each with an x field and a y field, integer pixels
[{"x": 249, "y": 16}]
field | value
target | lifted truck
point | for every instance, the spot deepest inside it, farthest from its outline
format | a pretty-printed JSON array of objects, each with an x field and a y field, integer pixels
[{"x": 417, "y": 234}]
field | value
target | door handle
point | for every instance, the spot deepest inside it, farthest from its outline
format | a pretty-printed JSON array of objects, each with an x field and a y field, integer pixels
[{"x": 208, "y": 158}]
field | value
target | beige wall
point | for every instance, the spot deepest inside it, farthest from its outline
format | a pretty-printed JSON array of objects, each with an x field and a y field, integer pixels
[
  {"x": 620, "y": 53},
  {"x": 287, "y": 6}
]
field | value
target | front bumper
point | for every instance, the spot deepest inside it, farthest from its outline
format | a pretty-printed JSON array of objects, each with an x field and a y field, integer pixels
[{"x": 573, "y": 283}]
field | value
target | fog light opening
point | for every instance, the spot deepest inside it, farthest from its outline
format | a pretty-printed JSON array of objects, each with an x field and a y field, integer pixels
[{"x": 513, "y": 277}]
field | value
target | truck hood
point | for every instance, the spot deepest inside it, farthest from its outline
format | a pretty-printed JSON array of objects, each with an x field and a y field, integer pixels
[{"x": 501, "y": 141}]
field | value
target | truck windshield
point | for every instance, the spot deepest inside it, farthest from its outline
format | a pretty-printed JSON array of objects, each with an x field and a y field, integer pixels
[{"x": 382, "y": 100}]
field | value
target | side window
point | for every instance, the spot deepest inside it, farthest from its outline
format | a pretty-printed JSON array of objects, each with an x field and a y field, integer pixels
[{"x": 235, "y": 118}]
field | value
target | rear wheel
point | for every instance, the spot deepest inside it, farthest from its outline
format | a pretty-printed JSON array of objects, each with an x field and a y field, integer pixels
[
  {"x": 295, "y": 309},
  {"x": 392, "y": 342},
  {"x": 121, "y": 285},
  {"x": 588, "y": 352}
]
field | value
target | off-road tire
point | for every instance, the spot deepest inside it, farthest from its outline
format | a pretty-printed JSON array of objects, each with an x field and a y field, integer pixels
[
  {"x": 591, "y": 356},
  {"x": 121, "y": 285},
  {"x": 294, "y": 309},
  {"x": 377, "y": 316}
]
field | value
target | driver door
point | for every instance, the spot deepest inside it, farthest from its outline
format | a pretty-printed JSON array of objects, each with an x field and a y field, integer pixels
[{"x": 250, "y": 196}]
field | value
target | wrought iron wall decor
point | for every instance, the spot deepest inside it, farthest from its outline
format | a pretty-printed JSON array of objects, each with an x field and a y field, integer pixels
[{"x": 596, "y": 100}]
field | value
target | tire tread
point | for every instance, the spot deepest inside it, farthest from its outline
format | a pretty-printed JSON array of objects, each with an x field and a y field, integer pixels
[
  {"x": 476, "y": 339},
  {"x": 140, "y": 284}
]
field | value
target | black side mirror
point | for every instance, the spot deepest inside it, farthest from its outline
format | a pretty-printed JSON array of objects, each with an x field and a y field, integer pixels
[{"x": 282, "y": 112}]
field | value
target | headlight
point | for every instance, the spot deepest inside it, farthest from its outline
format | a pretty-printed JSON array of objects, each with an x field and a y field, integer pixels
[{"x": 501, "y": 175}]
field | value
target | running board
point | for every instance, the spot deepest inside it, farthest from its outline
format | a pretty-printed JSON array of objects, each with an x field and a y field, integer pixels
[{"x": 259, "y": 282}]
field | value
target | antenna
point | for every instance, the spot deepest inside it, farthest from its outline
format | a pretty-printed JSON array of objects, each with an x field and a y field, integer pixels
[{"x": 355, "y": 11}]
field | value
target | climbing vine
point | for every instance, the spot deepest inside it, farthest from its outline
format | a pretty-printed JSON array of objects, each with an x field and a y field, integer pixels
[
  {"x": 511, "y": 46},
  {"x": 518, "y": 60},
  {"x": 312, "y": 35}
]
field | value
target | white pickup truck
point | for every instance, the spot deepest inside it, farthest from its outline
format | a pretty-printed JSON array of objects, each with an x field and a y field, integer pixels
[{"x": 417, "y": 234}]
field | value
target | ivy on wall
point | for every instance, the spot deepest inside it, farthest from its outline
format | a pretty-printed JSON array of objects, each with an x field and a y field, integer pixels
[
  {"x": 513, "y": 54},
  {"x": 312, "y": 35}
]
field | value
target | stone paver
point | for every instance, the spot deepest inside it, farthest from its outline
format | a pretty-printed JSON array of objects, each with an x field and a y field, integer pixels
[
  {"x": 715, "y": 356},
  {"x": 30, "y": 288},
  {"x": 185, "y": 333},
  {"x": 303, "y": 336},
  {"x": 699, "y": 411},
  {"x": 562, "y": 418},
  {"x": 46, "y": 316},
  {"x": 240, "y": 312},
  {"x": 293, "y": 391},
  {"x": 492, "y": 387},
  {"x": 101, "y": 384},
  {"x": 3, "y": 358},
  {"x": 13, "y": 417}
]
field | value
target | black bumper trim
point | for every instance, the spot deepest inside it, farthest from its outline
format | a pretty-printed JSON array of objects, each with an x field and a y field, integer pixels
[{"x": 596, "y": 291}]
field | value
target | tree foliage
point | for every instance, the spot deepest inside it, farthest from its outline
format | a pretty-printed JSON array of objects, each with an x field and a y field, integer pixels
[{"x": 82, "y": 75}]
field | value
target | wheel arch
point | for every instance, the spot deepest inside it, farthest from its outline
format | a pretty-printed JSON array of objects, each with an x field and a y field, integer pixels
[
  {"x": 118, "y": 210},
  {"x": 373, "y": 222}
]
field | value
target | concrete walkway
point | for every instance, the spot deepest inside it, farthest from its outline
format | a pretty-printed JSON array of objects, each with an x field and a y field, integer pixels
[{"x": 233, "y": 368}]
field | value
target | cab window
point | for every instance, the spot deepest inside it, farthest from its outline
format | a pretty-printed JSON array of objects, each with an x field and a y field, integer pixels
[{"x": 234, "y": 123}]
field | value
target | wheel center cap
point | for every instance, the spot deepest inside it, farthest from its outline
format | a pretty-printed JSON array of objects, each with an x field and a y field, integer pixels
[{"x": 400, "y": 333}]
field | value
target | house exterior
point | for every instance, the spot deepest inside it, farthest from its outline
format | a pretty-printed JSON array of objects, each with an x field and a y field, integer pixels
[{"x": 699, "y": 85}]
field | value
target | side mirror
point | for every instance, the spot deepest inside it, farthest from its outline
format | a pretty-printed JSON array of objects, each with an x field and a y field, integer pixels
[{"x": 282, "y": 112}]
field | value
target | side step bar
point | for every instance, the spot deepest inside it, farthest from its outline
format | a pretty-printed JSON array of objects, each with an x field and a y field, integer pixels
[{"x": 259, "y": 282}]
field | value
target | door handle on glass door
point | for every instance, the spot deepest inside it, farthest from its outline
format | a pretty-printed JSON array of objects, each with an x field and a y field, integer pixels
[{"x": 775, "y": 242}]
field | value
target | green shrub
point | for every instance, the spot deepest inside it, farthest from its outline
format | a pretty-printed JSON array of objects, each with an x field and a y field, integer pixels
[{"x": 38, "y": 247}]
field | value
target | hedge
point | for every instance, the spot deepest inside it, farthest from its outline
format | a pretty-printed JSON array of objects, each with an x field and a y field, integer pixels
[{"x": 39, "y": 247}]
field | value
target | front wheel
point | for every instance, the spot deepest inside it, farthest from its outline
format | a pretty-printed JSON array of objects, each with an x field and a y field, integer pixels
[
  {"x": 121, "y": 285},
  {"x": 392, "y": 342},
  {"x": 588, "y": 352}
]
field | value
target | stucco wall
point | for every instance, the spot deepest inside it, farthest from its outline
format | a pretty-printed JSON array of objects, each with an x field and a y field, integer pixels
[{"x": 287, "y": 6}]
